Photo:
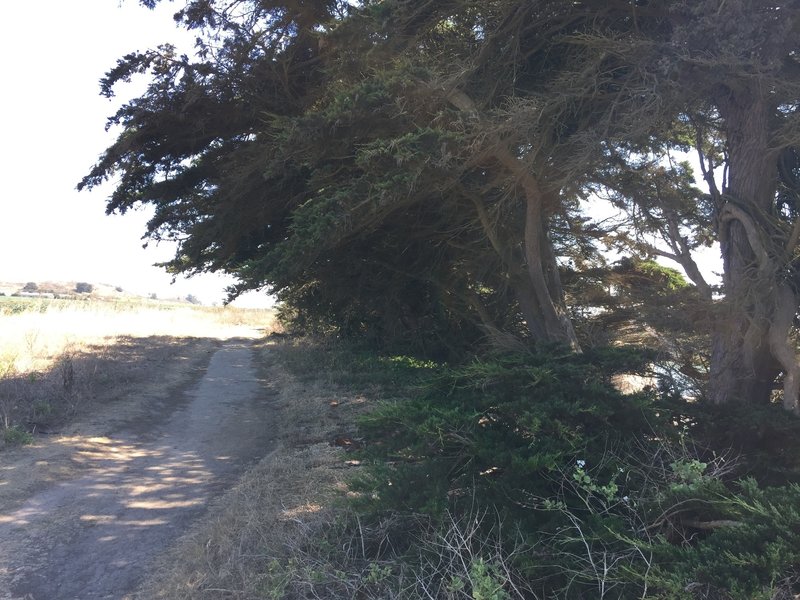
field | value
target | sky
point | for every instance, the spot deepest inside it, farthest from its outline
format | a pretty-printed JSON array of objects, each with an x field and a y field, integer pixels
[{"x": 52, "y": 119}]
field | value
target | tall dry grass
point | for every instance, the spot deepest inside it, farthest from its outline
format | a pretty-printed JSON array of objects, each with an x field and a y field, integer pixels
[
  {"x": 54, "y": 354},
  {"x": 34, "y": 334}
]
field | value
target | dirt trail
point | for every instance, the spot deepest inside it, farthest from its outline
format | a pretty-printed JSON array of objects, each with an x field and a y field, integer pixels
[{"x": 97, "y": 535}]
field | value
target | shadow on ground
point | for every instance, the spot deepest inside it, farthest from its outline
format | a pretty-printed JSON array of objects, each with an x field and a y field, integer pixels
[
  {"x": 82, "y": 380},
  {"x": 151, "y": 475}
]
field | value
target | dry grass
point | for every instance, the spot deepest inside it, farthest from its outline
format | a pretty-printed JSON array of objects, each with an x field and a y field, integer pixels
[
  {"x": 58, "y": 357},
  {"x": 34, "y": 336},
  {"x": 242, "y": 550}
]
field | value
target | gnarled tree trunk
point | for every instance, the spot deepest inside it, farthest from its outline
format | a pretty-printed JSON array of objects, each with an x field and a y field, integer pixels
[
  {"x": 751, "y": 341},
  {"x": 538, "y": 284}
]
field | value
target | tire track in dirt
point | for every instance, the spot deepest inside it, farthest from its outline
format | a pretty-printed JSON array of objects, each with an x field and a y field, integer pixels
[{"x": 98, "y": 535}]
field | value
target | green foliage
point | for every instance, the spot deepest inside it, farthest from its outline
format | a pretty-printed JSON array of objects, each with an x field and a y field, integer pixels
[
  {"x": 670, "y": 279},
  {"x": 357, "y": 366},
  {"x": 492, "y": 424},
  {"x": 16, "y": 436},
  {"x": 11, "y": 306},
  {"x": 602, "y": 487},
  {"x": 377, "y": 573},
  {"x": 765, "y": 438},
  {"x": 487, "y": 581},
  {"x": 746, "y": 541}
]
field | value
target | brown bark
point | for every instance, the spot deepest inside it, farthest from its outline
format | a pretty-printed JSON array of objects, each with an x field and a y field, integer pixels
[
  {"x": 782, "y": 348},
  {"x": 750, "y": 344},
  {"x": 538, "y": 285},
  {"x": 539, "y": 256},
  {"x": 529, "y": 306}
]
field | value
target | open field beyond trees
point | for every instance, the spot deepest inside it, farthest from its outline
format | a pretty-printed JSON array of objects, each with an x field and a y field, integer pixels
[{"x": 59, "y": 357}]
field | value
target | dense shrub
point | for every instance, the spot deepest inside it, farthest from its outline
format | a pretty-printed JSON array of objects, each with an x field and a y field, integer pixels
[
  {"x": 609, "y": 494},
  {"x": 505, "y": 426}
]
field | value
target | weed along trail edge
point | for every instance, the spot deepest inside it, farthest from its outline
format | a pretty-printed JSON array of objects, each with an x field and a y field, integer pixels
[{"x": 98, "y": 535}]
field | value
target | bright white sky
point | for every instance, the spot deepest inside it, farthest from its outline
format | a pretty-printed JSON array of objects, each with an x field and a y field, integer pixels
[{"x": 52, "y": 118}]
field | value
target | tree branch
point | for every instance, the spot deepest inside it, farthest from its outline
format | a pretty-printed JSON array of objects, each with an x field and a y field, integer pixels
[{"x": 732, "y": 212}]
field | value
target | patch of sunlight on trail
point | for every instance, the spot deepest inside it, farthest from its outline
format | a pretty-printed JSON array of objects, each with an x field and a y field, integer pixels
[{"x": 135, "y": 476}]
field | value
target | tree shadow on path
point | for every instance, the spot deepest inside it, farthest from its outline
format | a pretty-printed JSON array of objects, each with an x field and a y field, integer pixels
[{"x": 95, "y": 536}]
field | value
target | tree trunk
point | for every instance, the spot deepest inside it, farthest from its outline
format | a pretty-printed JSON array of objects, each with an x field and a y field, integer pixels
[
  {"x": 538, "y": 283},
  {"x": 520, "y": 284},
  {"x": 540, "y": 263},
  {"x": 750, "y": 344},
  {"x": 543, "y": 274},
  {"x": 538, "y": 288}
]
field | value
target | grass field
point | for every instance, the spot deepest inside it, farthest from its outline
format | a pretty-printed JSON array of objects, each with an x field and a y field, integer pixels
[{"x": 58, "y": 355}]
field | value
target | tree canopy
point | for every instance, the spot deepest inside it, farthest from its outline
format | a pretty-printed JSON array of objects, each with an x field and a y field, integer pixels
[{"x": 431, "y": 173}]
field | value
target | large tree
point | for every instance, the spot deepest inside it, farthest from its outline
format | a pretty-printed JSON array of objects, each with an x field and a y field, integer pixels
[
  {"x": 403, "y": 166},
  {"x": 748, "y": 72},
  {"x": 379, "y": 142},
  {"x": 725, "y": 74},
  {"x": 719, "y": 78}
]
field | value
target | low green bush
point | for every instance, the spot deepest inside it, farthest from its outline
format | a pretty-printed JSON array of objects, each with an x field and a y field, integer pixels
[
  {"x": 16, "y": 436},
  {"x": 610, "y": 494},
  {"x": 355, "y": 366},
  {"x": 506, "y": 428}
]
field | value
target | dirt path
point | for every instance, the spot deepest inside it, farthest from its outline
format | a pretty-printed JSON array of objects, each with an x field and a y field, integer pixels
[{"x": 142, "y": 484}]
